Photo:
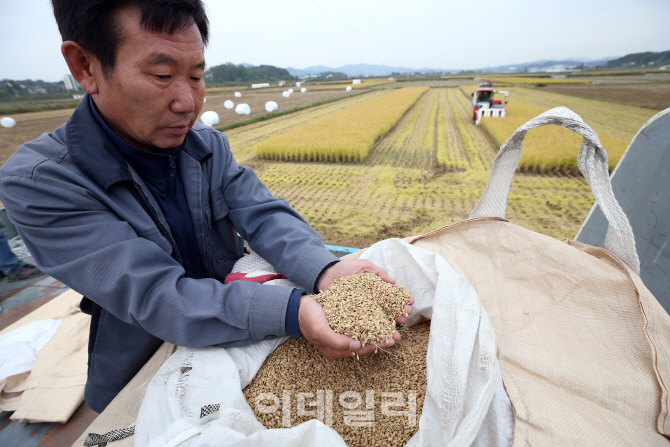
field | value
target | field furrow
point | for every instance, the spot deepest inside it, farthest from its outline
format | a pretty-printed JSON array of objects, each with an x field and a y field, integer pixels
[
  {"x": 450, "y": 153},
  {"x": 387, "y": 150}
]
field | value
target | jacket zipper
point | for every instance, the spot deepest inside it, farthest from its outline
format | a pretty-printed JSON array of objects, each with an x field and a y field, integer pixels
[{"x": 158, "y": 223}]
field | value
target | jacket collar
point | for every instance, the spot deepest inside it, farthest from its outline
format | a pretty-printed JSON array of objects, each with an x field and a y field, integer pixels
[{"x": 96, "y": 154}]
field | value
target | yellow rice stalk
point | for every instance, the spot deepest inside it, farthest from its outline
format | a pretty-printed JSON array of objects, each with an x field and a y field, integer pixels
[
  {"x": 553, "y": 148},
  {"x": 346, "y": 135}
]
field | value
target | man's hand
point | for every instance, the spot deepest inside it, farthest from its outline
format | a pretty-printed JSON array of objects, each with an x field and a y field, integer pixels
[
  {"x": 315, "y": 328},
  {"x": 348, "y": 267}
]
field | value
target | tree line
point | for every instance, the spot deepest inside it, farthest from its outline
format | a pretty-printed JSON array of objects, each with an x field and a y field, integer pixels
[{"x": 229, "y": 72}]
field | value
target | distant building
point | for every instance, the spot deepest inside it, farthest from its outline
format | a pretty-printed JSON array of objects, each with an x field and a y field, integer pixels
[{"x": 71, "y": 83}]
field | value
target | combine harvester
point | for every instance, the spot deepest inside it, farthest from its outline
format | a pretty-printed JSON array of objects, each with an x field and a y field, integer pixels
[{"x": 484, "y": 104}]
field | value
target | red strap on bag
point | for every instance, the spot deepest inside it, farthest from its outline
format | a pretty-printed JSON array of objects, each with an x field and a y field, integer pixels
[{"x": 259, "y": 277}]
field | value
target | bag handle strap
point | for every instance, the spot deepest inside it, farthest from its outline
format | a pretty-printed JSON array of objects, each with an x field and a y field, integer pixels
[{"x": 592, "y": 162}]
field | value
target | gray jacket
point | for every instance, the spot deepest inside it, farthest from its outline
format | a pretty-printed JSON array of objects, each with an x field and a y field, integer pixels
[{"x": 90, "y": 222}]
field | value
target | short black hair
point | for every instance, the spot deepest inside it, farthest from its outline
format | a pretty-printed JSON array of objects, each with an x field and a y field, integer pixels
[{"x": 93, "y": 23}]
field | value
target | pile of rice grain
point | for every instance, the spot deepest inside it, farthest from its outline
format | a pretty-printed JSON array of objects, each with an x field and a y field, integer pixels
[
  {"x": 297, "y": 366},
  {"x": 364, "y": 307},
  {"x": 348, "y": 394}
]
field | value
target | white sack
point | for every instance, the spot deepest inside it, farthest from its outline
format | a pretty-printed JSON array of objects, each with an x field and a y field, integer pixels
[
  {"x": 271, "y": 106},
  {"x": 238, "y": 94},
  {"x": 243, "y": 109},
  {"x": 210, "y": 118},
  {"x": 229, "y": 104},
  {"x": 19, "y": 348},
  {"x": 290, "y": 91},
  {"x": 465, "y": 402},
  {"x": 348, "y": 88},
  {"x": 303, "y": 90},
  {"x": 7, "y": 122},
  {"x": 286, "y": 94}
]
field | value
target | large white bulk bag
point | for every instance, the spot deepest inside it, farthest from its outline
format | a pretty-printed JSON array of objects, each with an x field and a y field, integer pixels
[{"x": 465, "y": 405}]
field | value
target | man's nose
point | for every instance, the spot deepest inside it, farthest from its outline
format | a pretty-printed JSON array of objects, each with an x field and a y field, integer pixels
[{"x": 183, "y": 100}]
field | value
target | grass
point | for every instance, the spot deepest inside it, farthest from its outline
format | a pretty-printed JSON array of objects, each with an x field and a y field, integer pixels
[
  {"x": 346, "y": 135},
  {"x": 31, "y": 105}
]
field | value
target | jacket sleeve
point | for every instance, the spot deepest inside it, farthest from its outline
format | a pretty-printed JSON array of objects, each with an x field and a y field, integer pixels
[
  {"x": 82, "y": 242},
  {"x": 272, "y": 228}
]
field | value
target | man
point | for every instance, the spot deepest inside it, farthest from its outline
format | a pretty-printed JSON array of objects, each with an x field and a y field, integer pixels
[{"x": 137, "y": 207}]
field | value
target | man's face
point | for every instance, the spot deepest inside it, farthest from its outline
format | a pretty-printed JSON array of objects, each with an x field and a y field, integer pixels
[{"x": 154, "y": 93}]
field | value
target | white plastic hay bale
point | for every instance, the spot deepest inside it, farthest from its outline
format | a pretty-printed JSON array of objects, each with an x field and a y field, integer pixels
[
  {"x": 204, "y": 100},
  {"x": 286, "y": 94},
  {"x": 261, "y": 85},
  {"x": 210, "y": 118},
  {"x": 356, "y": 81},
  {"x": 7, "y": 122},
  {"x": 243, "y": 109},
  {"x": 290, "y": 90},
  {"x": 238, "y": 94},
  {"x": 271, "y": 106},
  {"x": 229, "y": 104},
  {"x": 303, "y": 90},
  {"x": 348, "y": 88},
  {"x": 297, "y": 84}
]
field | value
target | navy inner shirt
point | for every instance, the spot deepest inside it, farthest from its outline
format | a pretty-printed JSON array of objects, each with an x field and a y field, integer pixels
[{"x": 160, "y": 174}]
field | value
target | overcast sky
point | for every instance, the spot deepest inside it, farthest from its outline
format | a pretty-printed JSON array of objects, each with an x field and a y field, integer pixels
[{"x": 445, "y": 34}]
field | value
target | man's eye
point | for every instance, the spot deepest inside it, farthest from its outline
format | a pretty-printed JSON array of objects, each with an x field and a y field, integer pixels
[
  {"x": 194, "y": 79},
  {"x": 163, "y": 77}
]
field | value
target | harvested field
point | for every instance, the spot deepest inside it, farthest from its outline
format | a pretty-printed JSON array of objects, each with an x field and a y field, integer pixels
[
  {"x": 28, "y": 127},
  {"x": 32, "y": 125},
  {"x": 347, "y": 135},
  {"x": 362, "y": 85},
  {"x": 257, "y": 99},
  {"x": 527, "y": 80},
  {"x": 652, "y": 95}
]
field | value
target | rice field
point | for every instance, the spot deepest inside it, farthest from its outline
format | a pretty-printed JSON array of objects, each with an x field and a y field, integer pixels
[
  {"x": 429, "y": 170},
  {"x": 553, "y": 149},
  {"x": 345, "y": 136}
]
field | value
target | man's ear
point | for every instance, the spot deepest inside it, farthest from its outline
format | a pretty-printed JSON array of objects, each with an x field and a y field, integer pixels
[{"x": 84, "y": 67}]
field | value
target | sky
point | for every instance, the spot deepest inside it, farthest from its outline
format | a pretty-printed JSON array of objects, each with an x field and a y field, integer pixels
[{"x": 446, "y": 34}]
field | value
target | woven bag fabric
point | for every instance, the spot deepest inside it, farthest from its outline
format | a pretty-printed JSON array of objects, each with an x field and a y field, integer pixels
[
  {"x": 583, "y": 346},
  {"x": 576, "y": 354}
]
